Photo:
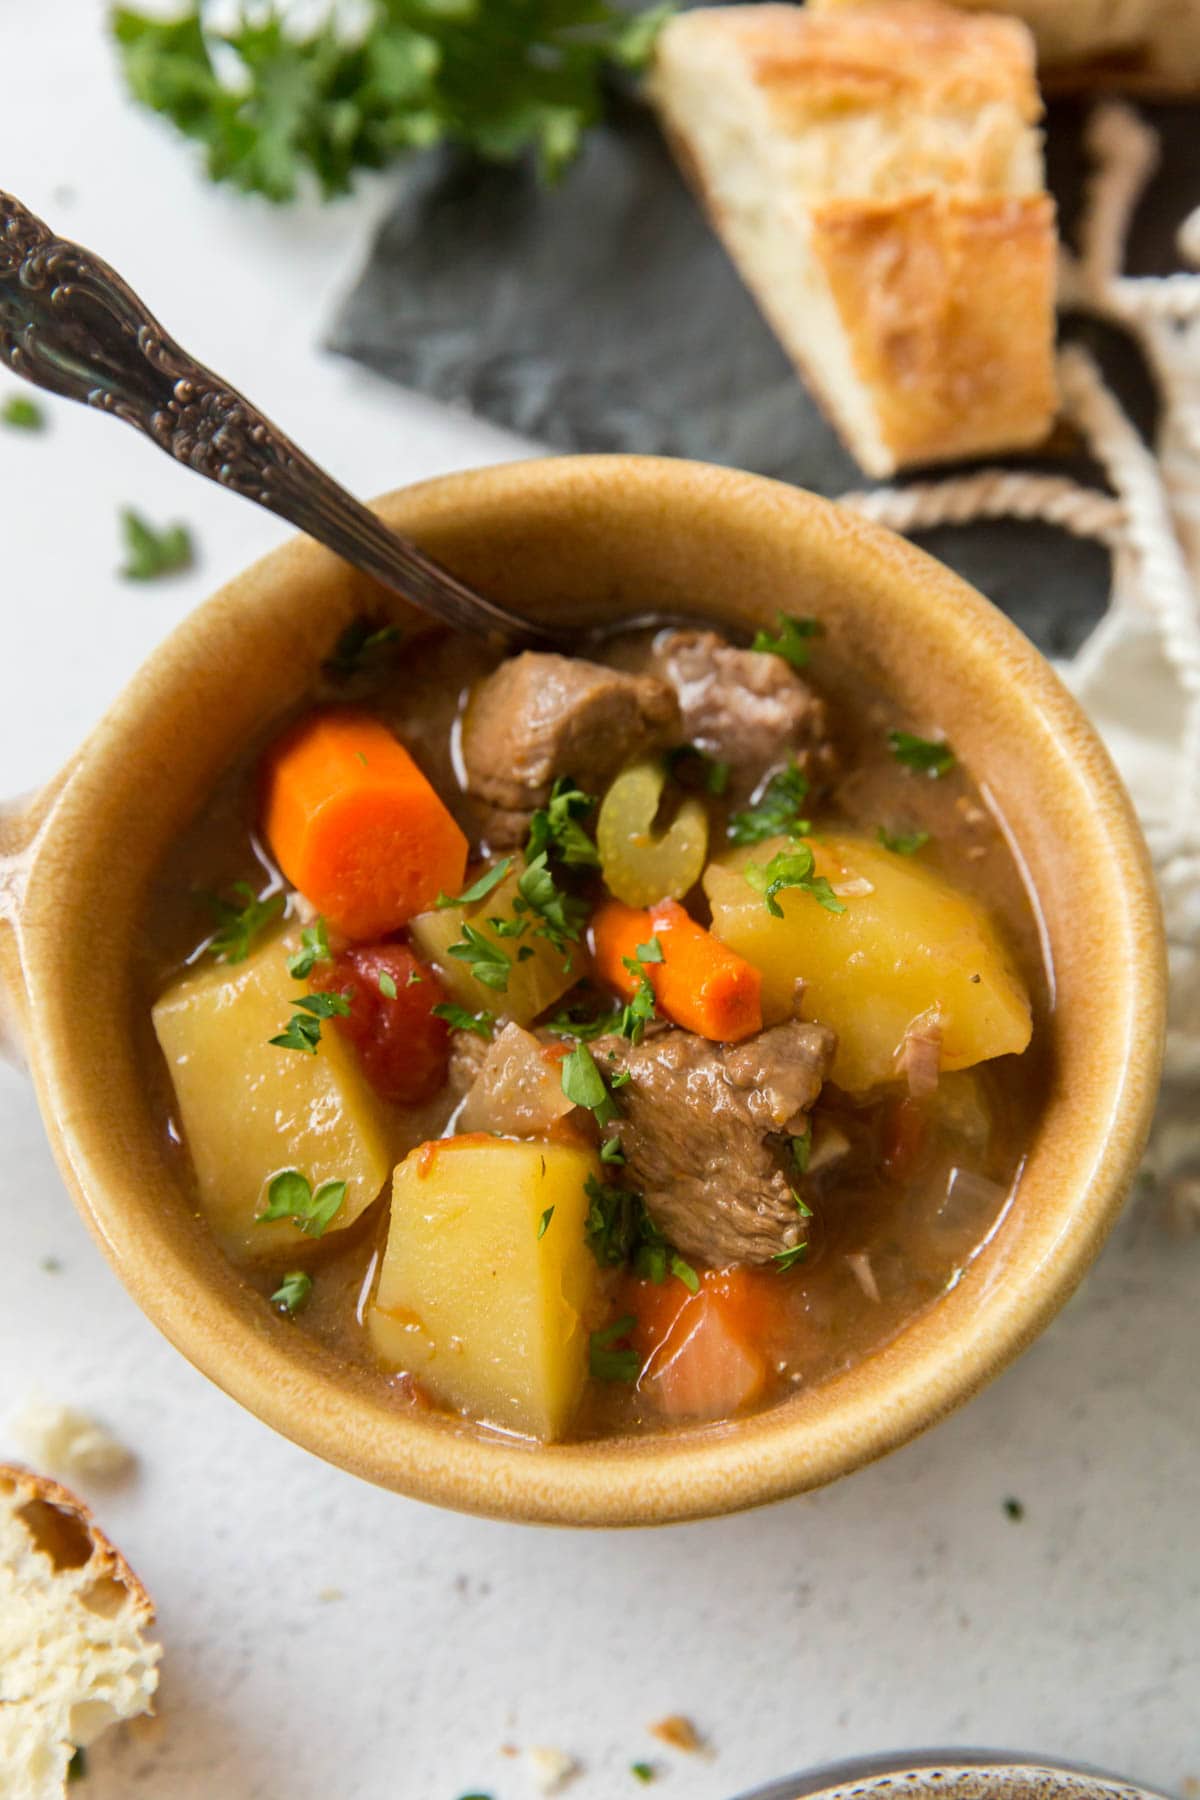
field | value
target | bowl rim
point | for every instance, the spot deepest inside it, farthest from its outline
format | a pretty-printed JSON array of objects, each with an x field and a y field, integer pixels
[
  {"x": 802, "y": 1443},
  {"x": 863, "y": 1774}
]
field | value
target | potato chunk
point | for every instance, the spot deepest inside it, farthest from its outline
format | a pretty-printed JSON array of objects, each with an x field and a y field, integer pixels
[
  {"x": 488, "y": 1314},
  {"x": 250, "y": 1109},
  {"x": 908, "y": 943},
  {"x": 533, "y": 982}
]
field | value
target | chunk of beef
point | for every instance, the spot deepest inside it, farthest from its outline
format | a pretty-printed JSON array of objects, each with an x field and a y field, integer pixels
[
  {"x": 745, "y": 707},
  {"x": 694, "y": 1133},
  {"x": 539, "y": 716},
  {"x": 468, "y": 1052},
  {"x": 518, "y": 1090}
]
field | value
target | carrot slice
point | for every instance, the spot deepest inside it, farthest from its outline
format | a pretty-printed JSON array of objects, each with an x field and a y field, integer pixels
[
  {"x": 355, "y": 826},
  {"x": 699, "y": 984},
  {"x": 704, "y": 1355}
]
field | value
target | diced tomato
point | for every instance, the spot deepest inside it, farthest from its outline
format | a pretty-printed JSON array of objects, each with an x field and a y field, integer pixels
[
  {"x": 905, "y": 1136},
  {"x": 702, "y": 1354},
  {"x": 403, "y": 1048}
]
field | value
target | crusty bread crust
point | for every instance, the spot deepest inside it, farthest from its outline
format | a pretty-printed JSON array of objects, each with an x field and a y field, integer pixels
[
  {"x": 106, "y": 1561},
  {"x": 889, "y": 148},
  {"x": 945, "y": 299}
]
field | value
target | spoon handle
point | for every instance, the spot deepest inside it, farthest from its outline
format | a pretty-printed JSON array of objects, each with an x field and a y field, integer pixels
[{"x": 70, "y": 324}]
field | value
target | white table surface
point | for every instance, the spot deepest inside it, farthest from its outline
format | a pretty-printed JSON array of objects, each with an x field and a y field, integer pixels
[{"x": 902, "y": 1607}]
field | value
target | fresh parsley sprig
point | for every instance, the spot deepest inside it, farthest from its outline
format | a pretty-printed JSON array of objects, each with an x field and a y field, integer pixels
[
  {"x": 272, "y": 106},
  {"x": 291, "y": 1196},
  {"x": 314, "y": 948},
  {"x": 478, "y": 890},
  {"x": 557, "y": 828},
  {"x": 925, "y": 756},
  {"x": 637, "y": 1013},
  {"x": 238, "y": 926},
  {"x": 150, "y": 553},
  {"x": 22, "y": 413},
  {"x": 488, "y": 963},
  {"x": 793, "y": 640},
  {"x": 483, "y": 1024},
  {"x": 293, "y": 1292},
  {"x": 584, "y": 1085},
  {"x": 791, "y": 868},
  {"x": 777, "y": 813},
  {"x": 304, "y": 1027}
]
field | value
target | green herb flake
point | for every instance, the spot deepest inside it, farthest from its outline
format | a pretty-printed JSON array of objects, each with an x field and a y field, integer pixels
[
  {"x": 1014, "y": 1509},
  {"x": 557, "y": 828},
  {"x": 608, "y": 1364},
  {"x": 611, "y": 1151},
  {"x": 387, "y": 985},
  {"x": 292, "y": 1294},
  {"x": 794, "y": 639},
  {"x": 478, "y": 890},
  {"x": 489, "y": 964},
  {"x": 363, "y": 648},
  {"x": 777, "y": 813},
  {"x": 483, "y": 1024},
  {"x": 902, "y": 843},
  {"x": 314, "y": 948},
  {"x": 685, "y": 1272},
  {"x": 559, "y": 916},
  {"x": 787, "y": 1259},
  {"x": 414, "y": 979},
  {"x": 151, "y": 554},
  {"x": 304, "y": 1027},
  {"x": 584, "y": 1085},
  {"x": 544, "y": 1221},
  {"x": 239, "y": 925},
  {"x": 290, "y": 1196},
  {"x": 801, "y": 1147},
  {"x": 791, "y": 868},
  {"x": 802, "y": 1206},
  {"x": 923, "y": 755},
  {"x": 643, "y": 1771},
  {"x": 22, "y": 414}
]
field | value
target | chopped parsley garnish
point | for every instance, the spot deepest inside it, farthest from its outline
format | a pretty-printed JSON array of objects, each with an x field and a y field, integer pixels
[
  {"x": 802, "y": 1207},
  {"x": 693, "y": 768},
  {"x": 637, "y": 1012},
  {"x": 314, "y": 948},
  {"x": 793, "y": 641},
  {"x": 777, "y": 813},
  {"x": 290, "y": 1196},
  {"x": 902, "y": 843},
  {"x": 544, "y": 1221},
  {"x": 1014, "y": 1508},
  {"x": 787, "y": 1259},
  {"x": 607, "y": 1363},
  {"x": 483, "y": 1024},
  {"x": 304, "y": 1027},
  {"x": 619, "y": 1230},
  {"x": 791, "y": 868},
  {"x": 802, "y": 1149},
  {"x": 557, "y": 828},
  {"x": 489, "y": 964},
  {"x": 568, "y": 1024},
  {"x": 293, "y": 1292},
  {"x": 584, "y": 1085},
  {"x": 151, "y": 553},
  {"x": 642, "y": 1771},
  {"x": 560, "y": 916},
  {"x": 413, "y": 979},
  {"x": 238, "y": 926},
  {"x": 921, "y": 754},
  {"x": 611, "y": 1151},
  {"x": 22, "y": 413},
  {"x": 363, "y": 648},
  {"x": 387, "y": 985},
  {"x": 651, "y": 952},
  {"x": 478, "y": 890},
  {"x": 685, "y": 1273}
]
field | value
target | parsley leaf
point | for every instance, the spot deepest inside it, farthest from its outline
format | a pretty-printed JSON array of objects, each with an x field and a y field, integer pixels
[
  {"x": 787, "y": 1259},
  {"x": 314, "y": 948},
  {"x": 642, "y": 1771},
  {"x": 607, "y": 1364},
  {"x": 902, "y": 843},
  {"x": 921, "y": 754},
  {"x": 478, "y": 890},
  {"x": 290, "y": 1196},
  {"x": 362, "y": 649},
  {"x": 685, "y": 1273},
  {"x": 802, "y": 1149},
  {"x": 22, "y": 413},
  {"x": 560, "y": 915},
  {"x": 793, "y": 640},
  {"x": 489, "y": 964},
  {"x": 778, "y": 811},
  {"x": 387, "y": 985},
  {"x": 791, "y": 868},
  {"x": 304, "y": 1027},
  {"x": 459, "y": 1019},
  {"x": 497, "y": 76},
  {"x": 613, "y": 1225},
  {"x": 611, "y": 1151},
  {"x": 544, "y": 1223},
  {"x": 238, "y": 926},
  {"x": 584, "y": 1085},
  {"x": 293, "y": 1292},
  {"x": 557, "y": 828},
  {"x": 152, "y": 553}
]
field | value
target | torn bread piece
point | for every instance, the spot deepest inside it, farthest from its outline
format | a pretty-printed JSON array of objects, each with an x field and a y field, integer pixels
[
  {"x": 73, "y": 1653},
  {"x": 876, "y": 173}
]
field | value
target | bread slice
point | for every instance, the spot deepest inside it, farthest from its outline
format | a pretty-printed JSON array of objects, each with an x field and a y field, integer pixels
[
  {"x": 876, "y": 174},
  {"x": 73, "y": 1655},
  {"x": 1144, "y": 46}
]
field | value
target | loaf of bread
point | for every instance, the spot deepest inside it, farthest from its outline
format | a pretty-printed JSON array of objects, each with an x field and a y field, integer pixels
[
  {"x": 876, "y": 174},
  {"x": 1149, "y": 47},
  {"x": 73, "y": 1653}
]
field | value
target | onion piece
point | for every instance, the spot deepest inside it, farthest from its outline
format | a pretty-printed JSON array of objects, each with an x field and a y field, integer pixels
[
  {"x": 864, "y": 1274},
  {"x": 518, "y": 1090},
  {"x": 921, "y": 1054},
  {"x": 857, "y": 884},
  {"x": 830, "y": 1144},
  {"x": 970, "y": 1197}
]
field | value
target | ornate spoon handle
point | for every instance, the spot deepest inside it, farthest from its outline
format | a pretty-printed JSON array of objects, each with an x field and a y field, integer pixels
[{"x": 69, "y": 323}]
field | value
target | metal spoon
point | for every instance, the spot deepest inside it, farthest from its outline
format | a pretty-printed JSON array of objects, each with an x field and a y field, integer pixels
[{"x": 70, "y": 324}]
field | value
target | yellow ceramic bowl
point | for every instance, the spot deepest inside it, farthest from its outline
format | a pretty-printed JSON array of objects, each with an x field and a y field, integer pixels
[{"x": 573, "y": 539}]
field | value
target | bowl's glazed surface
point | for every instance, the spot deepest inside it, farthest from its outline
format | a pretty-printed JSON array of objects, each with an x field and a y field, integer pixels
[
  {"x": 953, "y": 1775},
  {"x": 591, "y": 538}
]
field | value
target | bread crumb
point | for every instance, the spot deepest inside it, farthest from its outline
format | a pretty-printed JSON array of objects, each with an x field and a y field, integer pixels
[
  {"x": 551, "y": 1769},
  {"x": 69, "y": 1442},
  {"x": 332, "y": 1593},
  {"x": 679, "y": 1733},
  {"x": 1189, "y": 1787}
]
